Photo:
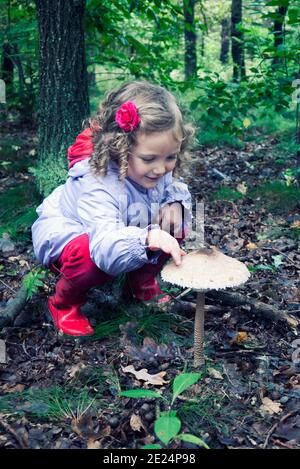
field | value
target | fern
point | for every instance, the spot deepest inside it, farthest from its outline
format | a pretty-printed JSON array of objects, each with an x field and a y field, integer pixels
[{"x": 33, "y": 281}]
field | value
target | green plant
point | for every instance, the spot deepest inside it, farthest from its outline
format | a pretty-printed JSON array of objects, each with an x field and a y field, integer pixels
[
  {"x": 276, "y": 196},
  {"x": 226, "y": 194},
  {"x": 34, "y": 280},
  {"x": 168, "y": 424},
  {"x": 277, "y": 261},
  {"x": 57, "y": 402}
]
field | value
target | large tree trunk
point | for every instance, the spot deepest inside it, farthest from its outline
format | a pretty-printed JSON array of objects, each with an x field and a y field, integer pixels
[
  {"x": 190, "y": 36},
  {"x": 7, "y": 66},
  {"x": 279, "y": 32},
  {"x": 225, "y": 40},
  {"x": 63, "y": 85},
  {"x": 237, "y": 40}
]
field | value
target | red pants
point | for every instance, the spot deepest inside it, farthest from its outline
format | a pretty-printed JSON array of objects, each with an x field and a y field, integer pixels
[{"x": 79, "y": 274}]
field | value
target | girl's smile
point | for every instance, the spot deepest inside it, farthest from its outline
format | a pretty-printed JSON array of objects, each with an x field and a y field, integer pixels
[{"x": 152, "y": 157}]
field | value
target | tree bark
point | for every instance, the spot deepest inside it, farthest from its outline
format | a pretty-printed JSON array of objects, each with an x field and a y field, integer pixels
[
  {"x": 237, "y": 40},
  {"x": 190, "y": 36},
  {"x": 63, "y": 85},
  {"x": 225, "y": 40},
  {"x": 278, "y": 31},
  {"x": 7, "y": 66}
]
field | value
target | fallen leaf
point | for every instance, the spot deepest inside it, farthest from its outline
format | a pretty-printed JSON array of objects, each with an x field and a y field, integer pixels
[
  {"x": 242, "y": 188},
  {"x": 295, "y": 224},
  {"x": 251, "y": 246},
  {"x": 143, "y": 375},
  {"x": 16, "y": 388},
  {"x": 73, "y": 370},
  {"x": 136, "y": 423},
  {"x": 92, "y": 444},
  {"x": 270, "y": 407},
  {"x": 239, "y": 338},
  {"x": 214, "y": 373}
]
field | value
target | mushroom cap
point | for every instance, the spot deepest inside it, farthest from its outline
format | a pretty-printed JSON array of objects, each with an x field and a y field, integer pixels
[{"x": 206, "y": 269}]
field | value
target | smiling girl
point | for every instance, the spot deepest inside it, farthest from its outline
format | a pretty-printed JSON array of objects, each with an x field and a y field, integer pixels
[{"x": 120, "y": 210}]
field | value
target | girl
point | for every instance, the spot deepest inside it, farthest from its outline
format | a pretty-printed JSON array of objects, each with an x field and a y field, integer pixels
[{"x": 119, "y": 210}]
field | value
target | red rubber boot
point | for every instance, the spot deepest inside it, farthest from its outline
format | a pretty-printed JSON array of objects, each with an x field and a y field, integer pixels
[
  {"x": 69, "y": 319},
  {"x": 78, "y": 274}
]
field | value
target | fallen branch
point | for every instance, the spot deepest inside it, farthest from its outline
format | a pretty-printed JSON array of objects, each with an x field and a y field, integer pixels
[
  {"x": 256, "y": 307},
  {"x": 13, "y": 307}
]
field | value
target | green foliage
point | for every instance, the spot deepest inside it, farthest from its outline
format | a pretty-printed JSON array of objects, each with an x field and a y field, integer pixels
[
  {"x": 34, "y": 280},
  {"x": 56, "y": 403},
  {"x": 17, "y": 211},
  {"x": 168, "y": 424},
  {"x": 182, "y": 382},
  {"x": 209, "y": 412},
  {"x": 50, "y": 174},
  {"x": 276, "y": 196},
  {"x": 226, "y": 194},
  {"x": 139, "y": 393}
]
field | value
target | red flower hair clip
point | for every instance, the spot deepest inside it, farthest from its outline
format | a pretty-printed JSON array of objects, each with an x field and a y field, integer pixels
[{"x": 127, "y": 116}]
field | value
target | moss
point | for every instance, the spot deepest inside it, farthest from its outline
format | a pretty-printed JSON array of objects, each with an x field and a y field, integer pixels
[
  {"x": 276, "y": 196},
  {"x": 50, "y": 174},
  {"x": 226, "y": 194}
]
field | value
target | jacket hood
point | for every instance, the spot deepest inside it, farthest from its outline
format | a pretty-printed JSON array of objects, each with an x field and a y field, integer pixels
[{"x": 82, "y": 148}]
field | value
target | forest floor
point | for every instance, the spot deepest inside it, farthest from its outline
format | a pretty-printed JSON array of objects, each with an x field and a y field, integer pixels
[{"x": 60, "y": 392}]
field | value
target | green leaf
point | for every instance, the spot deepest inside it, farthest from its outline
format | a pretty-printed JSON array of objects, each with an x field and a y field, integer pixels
[
  {"x": 184, "y": 381},
  {"x": 192, "y": 439},
  {"x": 167, "y": 428},
  {"x": 152, "y": 447},
  {"x": 277, "y": 260},
  {"x": 138, "y": 393}
]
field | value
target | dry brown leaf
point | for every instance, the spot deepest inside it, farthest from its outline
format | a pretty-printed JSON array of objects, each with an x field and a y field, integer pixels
[
  {"x": 16, "y": 388},
  {"x": 242, "y": 188},
  {"x": 295, "y": 224},
  {"x": 136, "y": 423},
  {"x": 75, "y": 369},
  {"x": 214, "y": 373},
  {"x": 270, "y": 407},
  {"x": 240, "y": 337},
  {"x": 143, "y": 375},
  {"x": 251, "y": 246},
  {"x": 93, "y": 444}
]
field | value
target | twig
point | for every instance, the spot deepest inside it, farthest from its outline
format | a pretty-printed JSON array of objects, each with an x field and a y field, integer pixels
[
  {"x": 7, "y": 286},
  {"x": 285, "y": 417},
  {"x": 282, "y": 253},
  {"x": 185, "y": 292}
]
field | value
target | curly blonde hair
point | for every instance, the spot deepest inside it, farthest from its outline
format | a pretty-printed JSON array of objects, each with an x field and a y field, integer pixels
[{"x": 158, "y": 112}]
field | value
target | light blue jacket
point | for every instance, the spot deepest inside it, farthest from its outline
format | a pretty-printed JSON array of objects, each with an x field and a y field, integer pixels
[{"x": 115, "y": 215}]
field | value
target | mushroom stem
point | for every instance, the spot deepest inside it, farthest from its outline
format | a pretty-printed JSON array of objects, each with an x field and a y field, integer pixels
[{"x": 199, "y": 331}]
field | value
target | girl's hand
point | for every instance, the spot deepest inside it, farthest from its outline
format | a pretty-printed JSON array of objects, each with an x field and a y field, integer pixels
[
  {"x": 158, "y": 239},
  {"x": 170, "y": 219}
]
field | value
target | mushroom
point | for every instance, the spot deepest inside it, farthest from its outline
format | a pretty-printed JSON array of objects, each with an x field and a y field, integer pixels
[{"x": 203, "y": 270}]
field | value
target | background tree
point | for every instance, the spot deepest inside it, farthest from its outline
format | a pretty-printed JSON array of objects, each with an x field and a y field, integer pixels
[
  {"x": 190, "y": 39},
  {"x": 63, "y": 84},
  {"x": 225, "y": 40},
  {"x": 237, "y": 40},
  {"x": 279, "y": 30}
]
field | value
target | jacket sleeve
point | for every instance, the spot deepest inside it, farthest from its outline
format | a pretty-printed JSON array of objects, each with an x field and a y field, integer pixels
[
  {"x": 176, "y": 191},
  {"x": 114, "y": 247}
]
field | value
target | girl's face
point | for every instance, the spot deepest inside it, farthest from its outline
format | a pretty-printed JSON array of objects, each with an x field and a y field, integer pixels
[{"x": 152, "y": 157}]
